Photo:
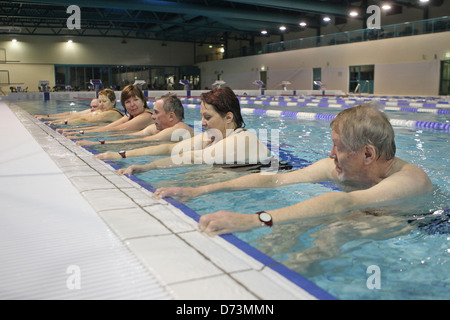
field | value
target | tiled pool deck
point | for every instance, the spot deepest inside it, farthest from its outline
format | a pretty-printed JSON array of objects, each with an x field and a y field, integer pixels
[{"x": 62, "y": 207}]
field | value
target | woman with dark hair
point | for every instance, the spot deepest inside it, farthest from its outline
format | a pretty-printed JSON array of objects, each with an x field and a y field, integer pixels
[
  {"x": 224, "y": 100},
  {"x": 223, "y": 142},
  {"x": 137, "y": 117},
  {"x": 130, "y": 93}
]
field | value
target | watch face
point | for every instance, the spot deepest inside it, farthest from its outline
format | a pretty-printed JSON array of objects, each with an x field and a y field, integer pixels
[{"x": 265, "y": 217}]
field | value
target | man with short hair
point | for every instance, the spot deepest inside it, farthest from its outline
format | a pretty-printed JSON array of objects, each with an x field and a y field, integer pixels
[
  {"x": 168, "y": 115},
  {"x": 94, "y": 105},
  {"x": 362, "y": 163},
  {"x": 168, "y": 112}
]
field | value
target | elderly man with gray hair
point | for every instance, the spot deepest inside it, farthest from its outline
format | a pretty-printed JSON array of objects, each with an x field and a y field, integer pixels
[{"x": 362, "y": 163}]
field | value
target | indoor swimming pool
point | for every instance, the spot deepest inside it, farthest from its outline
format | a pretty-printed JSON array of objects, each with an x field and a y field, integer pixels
[{"x": 409, "y": 246}]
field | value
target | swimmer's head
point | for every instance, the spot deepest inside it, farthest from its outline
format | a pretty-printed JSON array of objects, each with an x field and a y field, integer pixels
[
  {"x": 109, "y": 94},
  {"x": 173, "y": 104},
  {"x": 132, "y": 91},
  {"x": 223, "y": 101},
  {"x": 365, "y": 125},
  {"x": 94, "y": 104}
]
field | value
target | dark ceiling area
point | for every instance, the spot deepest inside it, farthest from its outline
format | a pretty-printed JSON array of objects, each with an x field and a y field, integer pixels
[{"x": 200, "y": 21}]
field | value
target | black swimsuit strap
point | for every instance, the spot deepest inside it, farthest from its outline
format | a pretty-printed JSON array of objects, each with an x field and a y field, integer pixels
[
  {"x": 254, "y": 167},
  {"x": 146, "y": 110},
  {"x": 120, "y": 112}
]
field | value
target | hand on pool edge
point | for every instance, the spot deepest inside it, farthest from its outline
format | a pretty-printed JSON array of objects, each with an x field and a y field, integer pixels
[
  {"x": 126, "y": 171},
  {"x": 225, "y": 222},
  {"x": 86, "y": 143},
  {"x": 108, "y": 155},
  {"x": 182, "y": 194}
]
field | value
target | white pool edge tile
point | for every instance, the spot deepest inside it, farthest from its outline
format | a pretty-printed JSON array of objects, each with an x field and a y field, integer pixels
[{"x": 217, "y": 268}]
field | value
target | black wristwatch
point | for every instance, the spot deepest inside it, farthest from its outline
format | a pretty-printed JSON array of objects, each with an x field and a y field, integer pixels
[{"x": 265, "y": 218}]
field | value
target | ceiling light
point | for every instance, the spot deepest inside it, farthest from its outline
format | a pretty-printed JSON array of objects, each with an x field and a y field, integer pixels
[
  {"x": 69, "y": 41},
  {"x": 386, "y": 7},
  {"x": 326, "y": 19},
  {"x": 353, "y": 13},
  {"x": 424, "y": 1},
  {"x": 303, "y": 24},
  {"x": 264, "y": 32},
  {"x": 283, "y": 28},
  {"x": 14, "y": 40}
]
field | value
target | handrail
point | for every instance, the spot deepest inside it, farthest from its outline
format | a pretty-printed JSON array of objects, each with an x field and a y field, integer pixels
[
  {"x": 390, "y": 31},
  {"x": 434, "y": 25}
]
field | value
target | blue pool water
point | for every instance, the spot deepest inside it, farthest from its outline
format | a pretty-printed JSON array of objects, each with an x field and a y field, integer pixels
[{"x": 337, "y": 253}]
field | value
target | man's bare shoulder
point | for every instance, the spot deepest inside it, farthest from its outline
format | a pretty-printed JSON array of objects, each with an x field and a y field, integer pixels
[
  {"x": 407, "y": 171},
  {"x": 182, "y": 125},
  {"x": 404, "y": 167}
]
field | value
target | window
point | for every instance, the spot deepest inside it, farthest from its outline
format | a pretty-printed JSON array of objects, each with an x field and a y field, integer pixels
[
  {"x": 362, "y": 79},
  {"x": 317, "y": 76},
  {"x": 117, "y": 77},
  {"x": 444, "y": 87}
]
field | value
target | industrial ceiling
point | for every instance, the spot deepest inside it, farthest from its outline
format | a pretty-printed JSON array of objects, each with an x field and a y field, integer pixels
[{"x": 199, "y": 21}]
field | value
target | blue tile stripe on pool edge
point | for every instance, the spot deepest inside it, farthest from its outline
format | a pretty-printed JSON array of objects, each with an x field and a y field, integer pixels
[{"x": 267, "y": 261}]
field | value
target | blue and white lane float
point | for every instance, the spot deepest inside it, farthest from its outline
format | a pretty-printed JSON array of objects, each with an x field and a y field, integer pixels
[
  {"x": 388, "y": 106},
  {"x": 433, "y": 108},
  {"x": 328, "y": 117},
  {"x": 418, "y": 102}
]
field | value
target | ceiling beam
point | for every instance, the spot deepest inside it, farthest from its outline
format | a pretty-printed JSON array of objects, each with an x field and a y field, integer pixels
[
  {"x": 300, "y": 5},
  {"x": 176, "y": 8},
  {"x": 97, "y": 19}
]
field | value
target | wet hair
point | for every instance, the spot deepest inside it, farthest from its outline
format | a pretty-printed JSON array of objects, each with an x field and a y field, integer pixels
[
  {"x": 132, "y": 91},
  {"x": 172, "y": 104},
  {"x": 109, "y": 94},
  {"x": 365, "y": 125},
  {"x": 223, "y": 101}
]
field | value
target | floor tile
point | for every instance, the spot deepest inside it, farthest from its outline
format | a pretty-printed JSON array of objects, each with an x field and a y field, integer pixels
[
  {"x": 133, "y": 223},
  {"x": 173, "y": 259}
]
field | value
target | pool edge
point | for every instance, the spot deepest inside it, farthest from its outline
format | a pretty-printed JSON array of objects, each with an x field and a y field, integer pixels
[{"x": 267, "y": 268}]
